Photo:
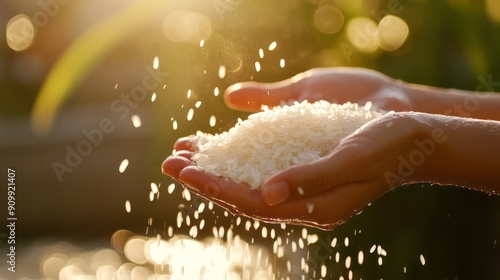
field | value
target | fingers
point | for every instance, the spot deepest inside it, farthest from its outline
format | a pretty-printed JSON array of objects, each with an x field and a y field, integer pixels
[
  {"x": 362, "y": 157},
  {"x": 241, "y": 199},
  {"x": 174, "y": 164},
  {"x": 236, "y": 197},
  {"x": 301, "y": 181},
  {"x": 185, "y": 144},
  {"x": 323, "y": 211},
  {"x": 250, "y": 96},
  {"x": 332, "y": 207}
]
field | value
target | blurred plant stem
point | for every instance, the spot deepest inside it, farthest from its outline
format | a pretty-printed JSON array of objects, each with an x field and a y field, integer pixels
[{"x": 82, "y": 54}]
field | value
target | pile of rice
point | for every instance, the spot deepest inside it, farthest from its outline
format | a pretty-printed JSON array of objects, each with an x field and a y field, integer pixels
[{"x": 275, "y": 139}]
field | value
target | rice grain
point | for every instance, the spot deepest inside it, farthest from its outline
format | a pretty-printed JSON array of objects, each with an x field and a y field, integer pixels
[{"x": 278, "y": 138}]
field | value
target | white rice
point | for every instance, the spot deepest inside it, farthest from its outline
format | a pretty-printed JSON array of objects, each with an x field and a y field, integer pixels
[{"x": 275, "y": 139}]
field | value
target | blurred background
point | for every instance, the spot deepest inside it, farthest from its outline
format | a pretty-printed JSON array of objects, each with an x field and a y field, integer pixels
[{"x": 94, "y": 94}]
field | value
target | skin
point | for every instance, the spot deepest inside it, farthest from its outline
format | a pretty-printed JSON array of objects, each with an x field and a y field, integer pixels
[{"x": 428, "y": 138}]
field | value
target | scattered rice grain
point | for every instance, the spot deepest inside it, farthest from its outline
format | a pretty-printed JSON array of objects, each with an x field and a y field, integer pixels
[{"x": 275, "y": 139}]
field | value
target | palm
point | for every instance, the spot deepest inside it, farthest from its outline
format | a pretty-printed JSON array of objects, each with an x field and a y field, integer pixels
[
  {"x": 338, "y": 85},
  {"x": 239, "y": 198},
  {"x": 354, "y": 185}
]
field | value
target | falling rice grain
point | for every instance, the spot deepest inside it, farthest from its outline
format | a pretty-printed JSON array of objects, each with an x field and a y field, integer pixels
[
  {"x": 361, "y": 257},
  {"x": 190, "y": 114},
  {"x": 257, "y": 66},
  {"x": 264, "y": 232},
  {"x": 272, "y": 46},
  {"x": 171, "y": 188},
  {"x": 348, "y": 262},
  {"x": 179, "y": 219},
  {"x": 248, "y": 224},
  {"x": 312, "y": 238},
  {"x": 310, "y": 207},
  {"x": 300, "y": 190},
  {"x": 201, "y": 207},
  {"x": 422, "y": 259},
  {"x": 123, "y": 166},
  {"x": 186, "y": 194},
  {"x": 156, "y": 62},
  {"x": 304, "y": 233},
  {"x": 222, "y": 71},
  {"x": 154, "y": 188},
  {"x": 334, "y": 242},
  {"x": 128, "y": 207},
  {"x": 136, "y": 121},
  {"x": 256, "y": 224},
  {"x": 221, "y": 231}
]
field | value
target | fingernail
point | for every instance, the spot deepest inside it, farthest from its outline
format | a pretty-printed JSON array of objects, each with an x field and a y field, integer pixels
[{"x": 275, "y": 193}]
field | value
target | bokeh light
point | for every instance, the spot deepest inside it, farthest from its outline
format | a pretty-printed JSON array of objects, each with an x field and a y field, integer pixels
[
  {"x": 363, "y": 34},
  {"x": 493, "y": 9},
  {"x": 328, "y": 19},
  {"x": 179, "y": 257},
  {"x": 20, "y": 32},
  {"x": 393, "y": 32},
  {"x": 134, "y": 250}
]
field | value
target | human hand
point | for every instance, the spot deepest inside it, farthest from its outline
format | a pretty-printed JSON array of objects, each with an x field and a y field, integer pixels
[
  {"x": 335, "y": 85},
  {"x": 323, "y": 193}
]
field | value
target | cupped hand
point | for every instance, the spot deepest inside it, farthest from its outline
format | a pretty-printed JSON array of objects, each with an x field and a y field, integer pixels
[
  {"x": 335, "y": 85},
  {"x": 324, "y": 193}
]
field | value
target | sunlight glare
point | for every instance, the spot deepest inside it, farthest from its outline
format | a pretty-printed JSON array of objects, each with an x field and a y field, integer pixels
[{"x": 184, "y": 26}]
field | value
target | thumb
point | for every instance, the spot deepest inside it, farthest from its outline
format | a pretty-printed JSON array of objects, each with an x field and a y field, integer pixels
[
  {"x": 250, "y": 96},
  {"x": 340, "y": 167}
]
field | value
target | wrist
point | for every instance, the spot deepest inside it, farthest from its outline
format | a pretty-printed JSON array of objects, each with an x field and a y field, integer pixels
[
  {"x": 414, "y": 159},
  {"x": 425, "y": 99}
]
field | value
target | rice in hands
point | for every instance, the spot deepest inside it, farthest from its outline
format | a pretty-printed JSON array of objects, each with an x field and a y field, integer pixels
[{"x": 275, "y": 139}]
